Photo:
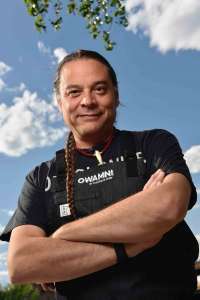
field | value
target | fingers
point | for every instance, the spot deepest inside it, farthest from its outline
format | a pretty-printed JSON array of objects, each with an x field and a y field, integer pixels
[
  {"x": 134, "y": 249},
  {"x": 155, "y": 180},
  {"x": 48, "y": 287}
]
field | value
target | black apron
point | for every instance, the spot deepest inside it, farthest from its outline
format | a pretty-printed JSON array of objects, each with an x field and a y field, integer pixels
[{"x": 160, "y": 271}]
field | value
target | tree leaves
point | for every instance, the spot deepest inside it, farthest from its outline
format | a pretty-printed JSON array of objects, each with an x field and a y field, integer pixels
[
  {"x": 99, "y": 15},
  {"x": 19, "y": 292}
]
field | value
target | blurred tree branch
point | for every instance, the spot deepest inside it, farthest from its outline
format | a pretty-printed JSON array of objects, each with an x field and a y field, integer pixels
[{"x": 99, "y": 15}]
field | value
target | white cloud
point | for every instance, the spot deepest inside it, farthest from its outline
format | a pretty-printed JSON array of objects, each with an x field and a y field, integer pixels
[
  {"x": 2, "y": 85},
  {"x": 197, "y": 206},
  {"x": 59, "y": 54},
  {"x": 4, "y": 273},
  {"x": 15, "y": 89},
  {"x": 3, "y": 266},
  {"x": 192, "y": 157},
  {"x": 19, "y": 88},
  {"x": 22, "y": 87},
  {"x": 170, "y": 25},
  {"x": 3, "y": 259},
  {"x": 56, "y": 55},
  {"x": 43, "y": 49},
  {"x": 3, "y": 243},
  {"x": 1, "y": 228},
  {"x": 26, "y": 125},
  {"x": 4, "y": 68},
  {"x": 8, "y": 212}
]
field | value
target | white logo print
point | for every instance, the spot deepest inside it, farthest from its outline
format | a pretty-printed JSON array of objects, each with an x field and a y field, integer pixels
[
  {"x": 47, "y": 184},
  {"x": 97, "y": 178}
]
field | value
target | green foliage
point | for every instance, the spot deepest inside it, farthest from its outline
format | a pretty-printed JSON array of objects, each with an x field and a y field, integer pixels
[
  {"x": 99, "y": 15},
  {"x": 19, "y": 292}
]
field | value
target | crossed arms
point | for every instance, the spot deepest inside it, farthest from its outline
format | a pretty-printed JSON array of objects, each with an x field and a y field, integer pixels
[{"x": 85, "y": 245}]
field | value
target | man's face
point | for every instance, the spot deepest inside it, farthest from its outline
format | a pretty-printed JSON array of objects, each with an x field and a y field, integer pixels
[{"x": 88, "y": 99}]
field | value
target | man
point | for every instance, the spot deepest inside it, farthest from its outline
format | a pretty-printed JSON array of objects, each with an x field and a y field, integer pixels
[{"x": 104, "y": 219}]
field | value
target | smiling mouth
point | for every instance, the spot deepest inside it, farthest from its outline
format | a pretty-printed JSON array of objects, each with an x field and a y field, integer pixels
[{"x": 90, "y": 115}]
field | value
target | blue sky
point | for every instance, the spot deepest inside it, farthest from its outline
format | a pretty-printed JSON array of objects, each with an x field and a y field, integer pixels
[{"x": 157, "y": 61}]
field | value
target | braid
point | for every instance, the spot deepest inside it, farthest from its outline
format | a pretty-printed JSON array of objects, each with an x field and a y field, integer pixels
[{"x": 69, "y": 159}]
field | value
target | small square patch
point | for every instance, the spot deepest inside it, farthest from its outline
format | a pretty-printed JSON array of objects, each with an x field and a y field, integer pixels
[{"x": 65, "y": 210}]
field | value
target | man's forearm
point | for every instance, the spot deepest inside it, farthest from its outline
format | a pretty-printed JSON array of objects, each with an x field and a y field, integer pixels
[
  {"x": 47, "y": 259},
  {"x": 36, "y": 258},
  {"x": 144, "y": 216},
  {"x": 41, "y": 259},
  {"x": 115, "y": 224}
]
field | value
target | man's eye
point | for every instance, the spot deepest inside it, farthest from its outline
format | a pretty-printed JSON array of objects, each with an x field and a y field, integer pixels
[
  {"x": 73, "y": 93},
  {"x": 100, "y": 89}
]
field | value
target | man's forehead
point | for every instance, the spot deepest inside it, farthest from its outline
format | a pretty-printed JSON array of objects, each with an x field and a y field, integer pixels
[
  {"x": 84, "y": 71},
  {"x": 84, "y": 66}
]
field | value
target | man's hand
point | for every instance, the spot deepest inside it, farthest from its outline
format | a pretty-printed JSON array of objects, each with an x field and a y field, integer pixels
[
  {"x": 135, "y": 249},
  {"x": 48, "y": 287},
  {"x": 155, "y": 180}
]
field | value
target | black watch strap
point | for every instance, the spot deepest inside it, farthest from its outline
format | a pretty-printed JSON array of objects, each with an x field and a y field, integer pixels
[{"x": 120, "y": 252}]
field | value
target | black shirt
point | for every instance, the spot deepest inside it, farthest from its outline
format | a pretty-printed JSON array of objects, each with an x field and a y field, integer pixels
[{"x": 152, "y": 273}]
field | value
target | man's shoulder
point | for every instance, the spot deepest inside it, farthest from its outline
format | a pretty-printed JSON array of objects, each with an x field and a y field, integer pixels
[
  {"x": 38, "y": 175},
  {"x": 150, "y": 140},
  {"x": 44, "y": 166},
  {"x": 148, "y": 133}
]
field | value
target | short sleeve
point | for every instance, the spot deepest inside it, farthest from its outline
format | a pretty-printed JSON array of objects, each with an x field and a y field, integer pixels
[
  {"x": 31, "y": 207},
  {"x": 164, "y": 152}
]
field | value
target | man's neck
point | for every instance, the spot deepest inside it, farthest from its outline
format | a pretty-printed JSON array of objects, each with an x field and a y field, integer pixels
[{"x": 91, "y": 142}]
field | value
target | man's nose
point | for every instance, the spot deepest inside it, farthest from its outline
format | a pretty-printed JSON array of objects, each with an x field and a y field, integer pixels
[{"x": 88, "y": 99}]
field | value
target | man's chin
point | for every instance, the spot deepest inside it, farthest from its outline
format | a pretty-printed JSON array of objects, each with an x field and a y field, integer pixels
[
  {"x": 87, "y": 132},
  {"x": 92, "y": 131}
]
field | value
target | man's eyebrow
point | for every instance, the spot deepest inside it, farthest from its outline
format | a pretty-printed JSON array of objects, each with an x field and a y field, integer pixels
[
  {"x": 76, "y": 86},
  {"x": 100, "y": 82},
  {"x": 72, "y": 86}
]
